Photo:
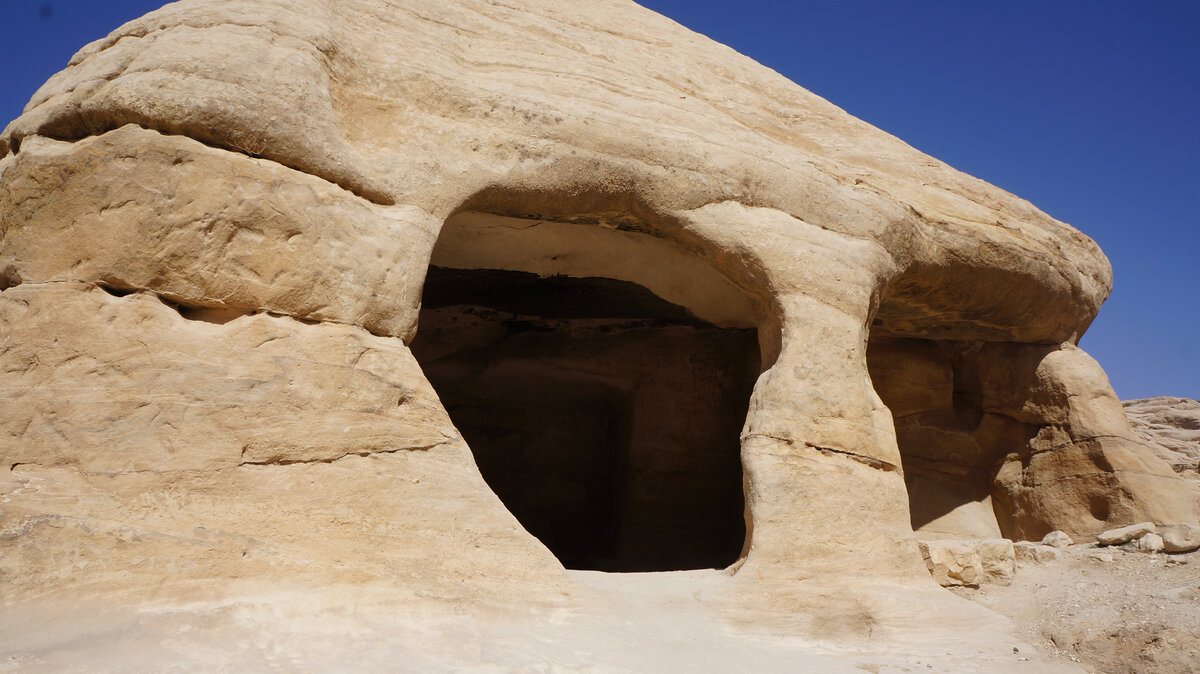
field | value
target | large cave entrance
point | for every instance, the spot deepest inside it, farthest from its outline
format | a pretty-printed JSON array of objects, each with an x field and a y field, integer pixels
[{"x": 605, "y": 418}]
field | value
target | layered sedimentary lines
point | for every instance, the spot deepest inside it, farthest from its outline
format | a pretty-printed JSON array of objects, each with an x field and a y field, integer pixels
[
  {"x": 113, "y": 384},
  {"x": 141, "y": 443},
  {"x": 136, "y": 209},
  {"x": 1171, "y": 426},
  {"x": 673, "y": 296},
  {"x": 463, "y": 107}
]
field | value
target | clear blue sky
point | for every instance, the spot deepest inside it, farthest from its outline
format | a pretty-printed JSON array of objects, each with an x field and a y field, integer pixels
[{"x": 1088, "y": 108}]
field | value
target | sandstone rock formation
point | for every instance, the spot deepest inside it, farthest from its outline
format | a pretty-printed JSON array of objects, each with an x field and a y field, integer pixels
[
  {"x": 668, "y": 296},
  {"x": 1172, "y": 428}
]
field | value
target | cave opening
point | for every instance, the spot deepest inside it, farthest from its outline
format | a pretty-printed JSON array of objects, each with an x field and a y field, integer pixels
[
  {"x": 928, "y": 387},
  {"x": 606, "y": 418},
  {"x": 952, "y": 441}
]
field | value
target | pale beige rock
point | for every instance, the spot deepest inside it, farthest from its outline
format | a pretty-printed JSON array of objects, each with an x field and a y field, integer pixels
[
  {"x": 997, "y": 556},
  {"x": 266, "y": 165},
  {"x": 95, "y": 393},
  {"x": 1046, "y": 415},
  {"x": 1037, "y": 553},
  {"x": 296, "y": 83},
  {"x": 1057, "y": 539},
  {"x": 1171, "y": 426},
  {"x": 1150, "y": 543},
  {"x": 952, "y": 562},
  {"x": 1180, "y": 537},
  {"x": 969, "y": 561},
  {"x": 1082, "y": 468},
  {"x": 1125, "y": 534},
  {"x": 226, "y": 231},
  {"x": 313, "y": 443}
]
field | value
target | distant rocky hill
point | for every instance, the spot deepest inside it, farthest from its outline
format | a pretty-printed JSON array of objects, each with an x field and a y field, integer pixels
[{"x": 1171, "y": 426}]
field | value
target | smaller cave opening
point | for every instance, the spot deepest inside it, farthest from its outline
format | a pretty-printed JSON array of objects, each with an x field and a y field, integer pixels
[
  {"x": 951, "y": 444},
  {"x": 606, "y": 419}
]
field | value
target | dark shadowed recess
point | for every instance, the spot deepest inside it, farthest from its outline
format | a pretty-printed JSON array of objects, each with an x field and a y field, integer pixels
[
  {"x": 606, "y": 419},
  {"x": 951, "y": 443}
]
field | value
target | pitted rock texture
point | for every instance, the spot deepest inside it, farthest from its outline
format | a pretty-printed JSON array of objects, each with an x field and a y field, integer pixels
[{"x": 215, "y": 231}]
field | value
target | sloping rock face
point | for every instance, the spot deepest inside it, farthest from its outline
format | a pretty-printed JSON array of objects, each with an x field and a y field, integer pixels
[
  {"x": 1171, "y": 426},
  {"x": 217, "y": 228}
]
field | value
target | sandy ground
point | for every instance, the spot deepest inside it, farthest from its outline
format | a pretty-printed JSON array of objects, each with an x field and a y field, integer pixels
[
  {"x": 619, "y": 623},
  {"x": 1109, "y": 609},
  {"x": 1094, "y": 610}
]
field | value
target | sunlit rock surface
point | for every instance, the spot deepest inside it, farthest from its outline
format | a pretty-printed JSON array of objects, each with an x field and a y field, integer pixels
[{"x": 217, "y": 227}]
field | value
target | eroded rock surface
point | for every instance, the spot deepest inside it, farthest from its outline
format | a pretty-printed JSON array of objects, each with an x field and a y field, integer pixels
[
  {"x": 1037, "y": 553},
  {"x": 1057, "y": 539},
  {"x": 1172, "y": 428},
  {"x": 142, "y": 445},
  {"x": 969, "y": 562},
  {"x": 217, "y": 223}
]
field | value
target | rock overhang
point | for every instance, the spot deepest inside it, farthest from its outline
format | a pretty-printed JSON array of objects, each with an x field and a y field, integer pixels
[{"x": 438, "y": 128}]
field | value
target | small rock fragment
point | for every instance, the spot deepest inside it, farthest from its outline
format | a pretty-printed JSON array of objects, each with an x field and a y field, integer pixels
[
  {"x": 1150, "y": 543},
  {"x": 1057, "y": 539},
  {"x": 1037, "y": 553},
  {"x": 1101, "y": 556},
  {"x": 997, "y": 557},
  {"x": 952, "y": 562},
  {"x": 1125, "y": 534},
  {"x": 1181, "y": 538}
]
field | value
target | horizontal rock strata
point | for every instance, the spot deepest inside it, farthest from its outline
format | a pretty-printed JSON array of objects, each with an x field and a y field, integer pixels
[{"x": 1171, "y": 426}]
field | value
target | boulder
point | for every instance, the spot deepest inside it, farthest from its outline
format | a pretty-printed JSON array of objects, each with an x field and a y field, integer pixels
[
  {"x": 953, "y": 562},
  {"x": 1125, "y": 534},
  {"x": 1065, "y": 477},
  {"x": 1150, "y": 543},
  {"x": 1180, "y": 537},
  {"x": 1057, "y": 539},
  {"x": 969, "y": 562},
  {"x": 997, "y": 557}
]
